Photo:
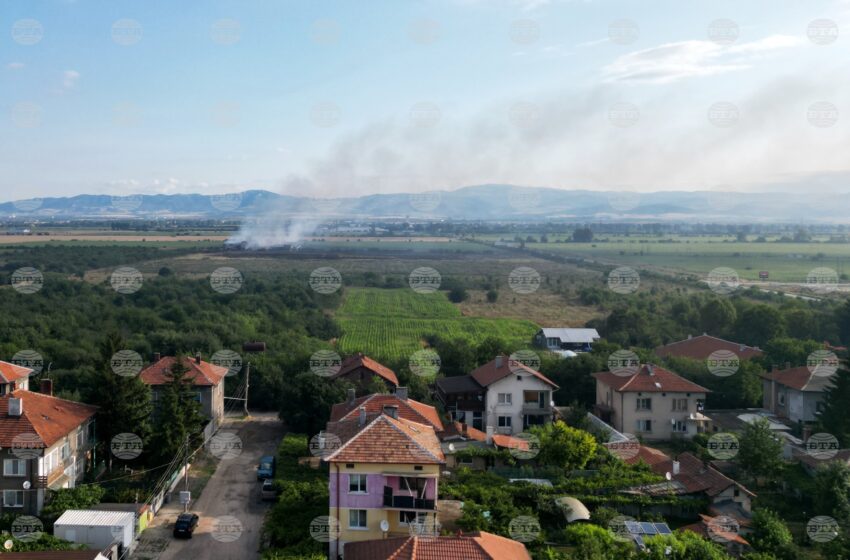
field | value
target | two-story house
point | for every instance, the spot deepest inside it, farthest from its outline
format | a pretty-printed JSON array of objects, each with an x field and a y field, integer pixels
[
  {"x": 207, "y": 381},
  {"x": 514, "y": 397},
  {"x": 362, "y": 371},
  {"x": 654, "y": 403},
  {"x": 46, "y": 443},
  {"x": 795, "y": 393},
  {"x": 13, "y": 377},
  {"x": 383, "y": 478}
]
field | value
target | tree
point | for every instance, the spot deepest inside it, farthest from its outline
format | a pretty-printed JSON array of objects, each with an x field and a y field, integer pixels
[
  {"x": 563, "y": 446},
  {"x": 717, "y": 316},
  {"x": 591, "y": 542},
  {"x": 832, "y": 490},
  {"x": 492, "y": 296},
  {"x": 760, "y": 452},
  {"x": 833, "y": 417},
  {"x": 770, "y": 534},
  {"x": 178, "y": 415},
  {"x": 306, "y": 402},
  {"x": 583, "y": 235},
  {"x": 124, "y": 402},
  {"x": 684, "y": 545},
  {"x": 783, "y": 350},
  {"x": 758, "y": 324},
  {"x": 458, "y": 294}
]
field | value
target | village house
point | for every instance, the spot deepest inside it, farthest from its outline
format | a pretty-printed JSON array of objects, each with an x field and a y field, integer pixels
[
  {"x": 363, "y": 371},
  {"x": 384, "y": 477},
  {"x": 795, "y": 394},
  {"x": 702, "y": 346},
  {"x": 207, "y": 382},
  {"x": 13, "y": 377},
  {"x": 377, "y": 404},
  {"x": 468, "y": 546},
  {"x": 654, "y": 403},
  {"x": 566, "y": 341},
  {"x": 46, "y": 444}
]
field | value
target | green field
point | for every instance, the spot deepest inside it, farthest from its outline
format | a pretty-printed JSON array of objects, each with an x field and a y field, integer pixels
[{"x": 390, "y": 324}]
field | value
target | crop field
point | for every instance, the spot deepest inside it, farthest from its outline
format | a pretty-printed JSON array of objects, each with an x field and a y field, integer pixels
[{"x": 390, "y": 324}]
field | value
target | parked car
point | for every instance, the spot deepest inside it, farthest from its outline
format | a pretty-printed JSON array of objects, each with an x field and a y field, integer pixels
[
  {"x": 185, "y": 525},
  {"x": 268, "y": 491},
  {"x": 266, "y": 467}
]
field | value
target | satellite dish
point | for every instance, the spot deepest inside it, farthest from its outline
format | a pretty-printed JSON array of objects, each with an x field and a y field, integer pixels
[
  {"x": 668, "y": 476},
  {"x": 385, "y": 525},
  {"x": 451, "y": 447},
  {"x": 27, "y": 484},
  {"x": 8, "y": 544}
]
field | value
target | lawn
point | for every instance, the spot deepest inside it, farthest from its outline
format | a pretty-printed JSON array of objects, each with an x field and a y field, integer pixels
[{"x": 390, "y": 324}]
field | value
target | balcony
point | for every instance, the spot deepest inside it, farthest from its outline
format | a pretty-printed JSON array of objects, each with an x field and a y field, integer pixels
[
  {"x": 536, "y": 408},
  {"x": 406, "y": 502}
]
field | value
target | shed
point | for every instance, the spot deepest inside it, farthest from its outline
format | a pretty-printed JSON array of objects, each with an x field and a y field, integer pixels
[
  {"x": 573, "y": 509},
  {"x": 95, "y": 528}
]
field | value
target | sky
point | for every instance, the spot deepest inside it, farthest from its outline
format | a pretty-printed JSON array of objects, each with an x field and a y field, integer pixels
[{"x": 342, "y": 98}]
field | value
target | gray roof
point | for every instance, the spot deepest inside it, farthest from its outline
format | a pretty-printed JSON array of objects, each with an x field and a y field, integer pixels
[
  {"x": 96, "y": 518},
  {"x": 572, "y": 335},
  {"x": 458, "y": 384}
]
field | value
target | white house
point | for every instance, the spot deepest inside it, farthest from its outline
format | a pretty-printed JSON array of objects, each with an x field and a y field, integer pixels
[{"x": 566, "y": 341}]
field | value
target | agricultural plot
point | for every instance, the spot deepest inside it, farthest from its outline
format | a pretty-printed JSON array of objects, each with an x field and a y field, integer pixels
[{"x": 391, "y": 324}]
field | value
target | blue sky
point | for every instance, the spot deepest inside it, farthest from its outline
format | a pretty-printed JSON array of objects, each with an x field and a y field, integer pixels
[{"x": 332, "y": 98}]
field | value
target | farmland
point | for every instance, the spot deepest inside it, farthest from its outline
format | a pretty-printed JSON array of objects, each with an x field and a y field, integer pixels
[{"x": 390, "y": 324}]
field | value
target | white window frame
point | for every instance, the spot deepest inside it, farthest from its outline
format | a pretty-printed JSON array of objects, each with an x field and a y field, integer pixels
[
  {"x": 65, "y": 450},
  {"x": 361, "y": 482},
  {"x": 641, "y": 425},
  {"x": 677, "y": 405},
  {"x": 682, "y": 424},
  {"x": 21, "y": 464},
  {"x": 644, "y": 400},
  {"x": 16, "y": 504},
  {"x": 358, "y": 527},
  {"x": 81, "y": 437},
  {"x": 505, "y": 399}
]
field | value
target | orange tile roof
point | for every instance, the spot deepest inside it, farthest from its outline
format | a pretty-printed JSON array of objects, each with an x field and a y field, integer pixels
[
  {"x": 386, "y": 440},
  {"x": 799, "y": 378},
  {"x": 510, "y": 442},
  {"x": 490, "y": 373},
  {"x": 374, "y": 404},
  {"x": 700, "y": 347},
  {"x": 471, "y": 546},
  {"x": 455, "y": 429},
  {"x": 201, "y": 374},
  {"x": 649, "y": 379},
  {"x": 49, "y": 418},
  {"x": 359, "y": 360},
  {"x": 11, "y": 372},
  {"x": 651, "y": 457}
]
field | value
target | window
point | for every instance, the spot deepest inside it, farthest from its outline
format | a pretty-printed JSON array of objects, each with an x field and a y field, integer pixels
[
  {"x": 680, "y": 405},
  {"x": 644, "y": 425},
  {"x": 504, "y": 421},
  {"x": 405, "y": 517},
  {"x": 357, "y": 519},
  {"x": 477, "y": 420},
  {"x": 14, "y": 467},
  {"x": 465, "y": 461},
  {"x": 13, "y": 498},
  {"x": 680, "y": 427},
  {"x": 781, "y": 399},
  {"x": 51, "y": 461},
  {"x": 505, "y": 398},
  {"x": 81, "y": 438},
  {"x": 819, "y": 406},
  {"x": 66, "y": 450},
  {"x": 357, "y": 484},
  {"x": 644, "y": 404}
]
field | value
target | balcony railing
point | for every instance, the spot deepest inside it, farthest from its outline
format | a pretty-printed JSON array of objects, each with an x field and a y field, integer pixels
[
  {"x": 408, "y": 502},
  {"x": 536, "y": 408}
]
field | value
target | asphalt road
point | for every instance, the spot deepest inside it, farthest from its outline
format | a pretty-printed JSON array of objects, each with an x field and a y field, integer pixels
[{"x": 232, "y": 492}]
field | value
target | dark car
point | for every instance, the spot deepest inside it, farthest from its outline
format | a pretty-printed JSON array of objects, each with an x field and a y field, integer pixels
[
  {"x": 185, "y": 525},
  {"x": 266, "y": 467},
  {"x": 268, "y": 492}
]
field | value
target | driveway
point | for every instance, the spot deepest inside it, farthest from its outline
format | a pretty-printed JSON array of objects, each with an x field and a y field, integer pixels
[{"x": 229, "y": 507}]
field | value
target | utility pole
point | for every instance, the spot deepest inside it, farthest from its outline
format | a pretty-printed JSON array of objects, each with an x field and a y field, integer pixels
[
  {"x": 247, "y": 384},
  {"x": 186, "y": 473}
]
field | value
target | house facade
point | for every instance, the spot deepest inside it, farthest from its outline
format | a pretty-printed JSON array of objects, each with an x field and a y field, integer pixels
[
  {"x": 796, "y": 394},
  {"x": 653, "y": 403},
  {"x": 383, "y": 479},
  {"x": 463, "y": 398},
  {"x": 207, "y": 381},
  {"x": 46, "y": 443}
]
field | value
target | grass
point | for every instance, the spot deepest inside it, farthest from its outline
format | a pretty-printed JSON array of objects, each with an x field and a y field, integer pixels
[{"x": 391, "y": 324}]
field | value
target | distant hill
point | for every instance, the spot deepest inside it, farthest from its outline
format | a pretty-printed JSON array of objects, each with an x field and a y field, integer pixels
[{"x": 479, "y": 202}]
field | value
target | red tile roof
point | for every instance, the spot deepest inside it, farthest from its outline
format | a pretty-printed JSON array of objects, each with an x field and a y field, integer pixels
[
  {"x": 649, "y": 379},
  {"x": 359, "y": 360},
  {"x": 799, "y": 378},
  {"x": 694, "y": 475},
  {"x": 11, "y": 372},
  {"x": 375, "y": 403},
  {"x": 471, "y": 546},
  {"x": 651, "y": 457},
  {"x": 201, "y": 374},
  {"x": 386, "y": 440},
  {"x": 490, "y": 373},
  {"x": 49, "y": 418},
  {"x": 700, "y": 347}
]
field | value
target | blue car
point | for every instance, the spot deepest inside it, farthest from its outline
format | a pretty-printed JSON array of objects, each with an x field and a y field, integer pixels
[{"x": 266, "y": 468}]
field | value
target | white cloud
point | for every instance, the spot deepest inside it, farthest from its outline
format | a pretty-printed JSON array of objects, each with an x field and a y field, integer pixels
[
  {"x": 15, "y": 66},
  {"x": 685, "y": 59},
  {"x": 70, "y": 79}
]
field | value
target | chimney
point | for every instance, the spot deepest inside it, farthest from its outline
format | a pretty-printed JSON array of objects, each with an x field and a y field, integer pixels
[
  {"x": 362, "y": 417},
  {"x": 498, "y": 362},
  {"x": 649, "y": 369},
  {"x": 156, "y": 357},
  {"x": 391, "y": 410},
  {"x": 198, "y": 358},
  {"x": 489, "y": 435},
  {"x": 741, "y": 348},
  {"x": 16, "y": 407},
  {"x": 401, "y": 393},
  {"x": 690, "y": 336},
  {"x": 47, "y": 387},
  {"x": 352, "y": 396},
  {"x": 675, "y": 468}
]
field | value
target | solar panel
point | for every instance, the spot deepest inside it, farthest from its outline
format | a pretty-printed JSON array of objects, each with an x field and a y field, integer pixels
[
  {"x": 663, "y": 529},
  {"x": 647, "y": 528},
  {"x": 639, "y": 540},
  {"x": 633, "y": 527}
]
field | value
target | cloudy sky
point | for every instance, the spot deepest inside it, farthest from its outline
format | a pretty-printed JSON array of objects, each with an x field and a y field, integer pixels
[{"x": 334, "y": 97}]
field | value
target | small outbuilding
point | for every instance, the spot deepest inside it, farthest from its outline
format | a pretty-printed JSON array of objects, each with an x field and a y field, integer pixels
[{"x": 96, "y": 529}]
